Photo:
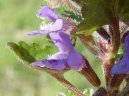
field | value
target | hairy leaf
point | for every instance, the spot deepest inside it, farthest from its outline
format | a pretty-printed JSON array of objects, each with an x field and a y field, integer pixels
[
  {"x": 30, "y": 53},
  {"x": 21, "y": 53}
]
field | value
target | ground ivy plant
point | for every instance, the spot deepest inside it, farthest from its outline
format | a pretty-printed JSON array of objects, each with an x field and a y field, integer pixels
[{"x": 101, "y": 26}]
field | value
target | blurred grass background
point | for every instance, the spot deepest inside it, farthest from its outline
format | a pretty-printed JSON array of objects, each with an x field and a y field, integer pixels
[{"x": 17, "y": 17}]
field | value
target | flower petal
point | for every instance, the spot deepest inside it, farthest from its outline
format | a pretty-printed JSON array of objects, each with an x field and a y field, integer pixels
[
  {"x": 58, "y": 24},
  {"x": 50, "y": 28},
  {"x": 62, "y": 41},
  {"x": 52, "y": 64},
  {"x": 48, "y": 13},
  {"x": 59, "y": 55},
  {"x": 75, "y": 61},
  {"x": 121, "y": 67},
  {"x": 41, "y": 32}
]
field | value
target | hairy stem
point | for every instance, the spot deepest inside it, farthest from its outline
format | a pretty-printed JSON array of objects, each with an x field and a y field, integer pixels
[
  {"x": 67, "y": 84},
  {"x": 109, "y": 58},
  {"x": 106, "y": 68},
  {"x": 116, "y": 38},
  {"x": 115, "y": 46},
  {"x": 59, "y": 76}
]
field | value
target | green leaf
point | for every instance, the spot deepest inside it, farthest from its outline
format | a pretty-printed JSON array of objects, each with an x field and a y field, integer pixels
[
  {"x": 46, "y": 51},
  {"x": 24, "y": 45},
  {"x": 21, "y": 53},
  {"x": 34, "y": 48},
  {"x": 95, "y": 14},
  {"x": 65, "y": 12},
  {"x": 123, "y": 9},
  {"x": 101, "y": 12},
  {"x": 30, "y": 53}
]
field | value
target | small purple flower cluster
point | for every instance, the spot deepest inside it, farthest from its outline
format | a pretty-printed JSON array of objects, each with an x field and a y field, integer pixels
[{"x": 59, "y": 31}]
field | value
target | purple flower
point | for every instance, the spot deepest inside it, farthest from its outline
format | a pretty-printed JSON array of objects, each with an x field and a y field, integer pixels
[
  {"x": 48, "y": 13},
  {"x": 67, "y": 57},
  {"x": 122, "y": 66},
  {"x": 57, "y": 24}
]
